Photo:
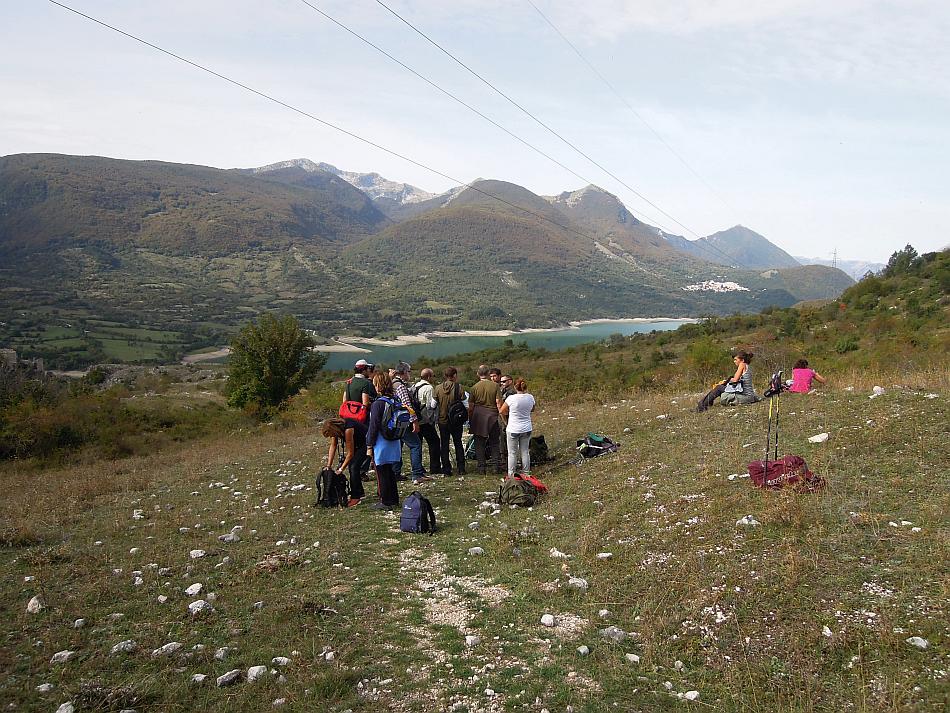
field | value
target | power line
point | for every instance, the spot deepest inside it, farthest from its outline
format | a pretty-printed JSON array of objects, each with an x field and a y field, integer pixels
[
  {"x": 637, "y": 114},
  {"x": 526, "y": 112},
  {"x": 324, "y": 122},
  {"x": 452, "y": 96}
]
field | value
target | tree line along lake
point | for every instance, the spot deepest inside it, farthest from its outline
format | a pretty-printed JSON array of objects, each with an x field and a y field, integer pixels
[{"x": 443, "y": 346}]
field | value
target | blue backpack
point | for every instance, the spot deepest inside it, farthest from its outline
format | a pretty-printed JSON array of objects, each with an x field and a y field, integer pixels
[
  {"x": 396, "y": 419},
  {"x": 417, "y": 514}
]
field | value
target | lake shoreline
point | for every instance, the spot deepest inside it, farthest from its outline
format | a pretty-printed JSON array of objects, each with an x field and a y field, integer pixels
[{"x": 343, "y": 343}]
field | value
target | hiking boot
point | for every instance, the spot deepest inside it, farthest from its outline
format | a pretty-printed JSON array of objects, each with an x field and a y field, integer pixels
[
  {"x": 401, "y": 477},
  {"x": 422, "y": 479},
  {"x": 353, "y": 502}
]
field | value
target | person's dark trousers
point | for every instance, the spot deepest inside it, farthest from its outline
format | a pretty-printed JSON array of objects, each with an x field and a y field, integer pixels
[
  {"x": 358, "y": 464},
  {"x": 431, "y": 436},
  {"x": 447, "y": 435},
  {"x": 502, "y": 442},
  {"x": 486, "y": 450},
  {"x": 713, "y": 394},
  {"x": 386, "y": 482}
]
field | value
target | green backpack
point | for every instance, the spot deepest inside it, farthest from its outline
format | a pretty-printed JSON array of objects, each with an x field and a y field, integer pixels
[{"x": 519, "y": 491}]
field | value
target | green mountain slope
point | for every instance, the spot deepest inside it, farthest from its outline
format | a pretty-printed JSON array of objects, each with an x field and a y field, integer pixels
[{"x": 738, "y": 246}]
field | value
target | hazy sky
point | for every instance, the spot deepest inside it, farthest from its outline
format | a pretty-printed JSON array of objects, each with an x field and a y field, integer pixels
[{"x": 819, "y": 124}]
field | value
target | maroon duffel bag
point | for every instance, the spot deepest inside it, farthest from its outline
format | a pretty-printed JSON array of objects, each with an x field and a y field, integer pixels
[{"x": 786, "y": 471}]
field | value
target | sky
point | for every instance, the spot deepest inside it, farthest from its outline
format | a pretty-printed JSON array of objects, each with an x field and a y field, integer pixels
[{"x": 822, "y": 125}]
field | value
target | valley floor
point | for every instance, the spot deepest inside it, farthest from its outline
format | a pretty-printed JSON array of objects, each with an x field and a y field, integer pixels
[{"x": 811, "y": 609}]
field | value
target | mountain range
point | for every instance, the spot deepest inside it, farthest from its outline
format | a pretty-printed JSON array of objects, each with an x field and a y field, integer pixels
[{"x": 198, "y": 250}]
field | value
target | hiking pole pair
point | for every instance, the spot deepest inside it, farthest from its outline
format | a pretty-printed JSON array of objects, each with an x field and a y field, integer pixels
[{"x": 773, "y": 392}]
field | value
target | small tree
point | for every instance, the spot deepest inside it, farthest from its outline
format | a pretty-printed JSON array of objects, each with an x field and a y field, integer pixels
[
  {"x": 271, "y": 360},
  {"x": 903, "y": 262}
]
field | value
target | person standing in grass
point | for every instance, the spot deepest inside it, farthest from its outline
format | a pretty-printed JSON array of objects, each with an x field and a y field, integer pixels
[
  {"x": 484, "y": 401},
  {"x": 518, "y": 408},
  {"x": 401, "y": 378},
  {"x": 385, "y": 452},
  {"x": 428, "y": 418},
  {"x": 802, "y": 377},
  {"x": 444, "y": 395},
  {"x": 352, "y": 434}
]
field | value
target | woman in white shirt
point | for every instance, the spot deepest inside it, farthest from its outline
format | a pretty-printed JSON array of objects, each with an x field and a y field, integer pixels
[{"x": 517, "y": 408}]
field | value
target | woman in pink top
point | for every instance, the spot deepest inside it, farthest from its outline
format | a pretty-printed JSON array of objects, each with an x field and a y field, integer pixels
[{"x": 802, "y": 377}]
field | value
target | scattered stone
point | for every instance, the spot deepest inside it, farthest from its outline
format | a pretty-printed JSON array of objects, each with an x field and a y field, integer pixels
[
  {"x": 819, "y": 438},
  {"x": 257, "y": 606},
  {"x": 280, "y": 661},
  {"x": 45, "y": 688},
  {"x": 167, "y": 650},
  {"x": 548, "y": 620},
  {"x": 329, "y": 656},
  {"x": 475, "y": 551},
  {"x": 35, "y": 605},
  {"x": 278, "y": 702},
  {"x": 138, "y": 514},
  {"x": 691, "y": 695},
  {"x": 230, "y": 537},
  {"x": 557, "y": 554},
  {"x": 747, "y": 521},
  {"x": 876, "y": 391},
  {"x": 221, "y": 654},
  {"x": 135, "y": 550},
  {"x": 632, "y": 658},
  {"x": 627, "y": 429},
  {"x": 255, "y": 672},
  {"x": 197, "y": 554},
  {"x": 79, "y": 623},
  {"x": 66, "y": 708},
  {"x": 612, "y": 633},
  {"x": 162, "y": 599},
  {"x": 678, "y": 665},
  {"x": 229, "y": 678},
  {"x": 472, "y": 640},
  {"x": 473, "y": 525},
  {"x": 199, "y": 678},
  {"x": 919, "y": 642},
  {"x": 825, "y": 631},
  {"x": 200, "y": 607},
  {"x": 577, "y": 583},
  {"x": 604, "y": 613},
  {"x": 583, "y": 650},
  {"x": 604, "y": 555},
  {"x": 194, "y": 589},
  {"x": 62, "y": 656},
  {"x": 138, "y": 582},
  {"x": 124, "y": 647}
]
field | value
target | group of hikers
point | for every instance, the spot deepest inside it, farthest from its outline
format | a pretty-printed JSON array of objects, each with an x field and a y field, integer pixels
[{"x": 383, "y": 410}]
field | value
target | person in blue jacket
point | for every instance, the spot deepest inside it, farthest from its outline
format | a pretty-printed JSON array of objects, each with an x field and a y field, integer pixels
[{"x": 386, "y": 453}]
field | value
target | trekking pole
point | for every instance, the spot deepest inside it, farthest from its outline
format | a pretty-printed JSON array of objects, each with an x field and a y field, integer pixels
[
  {"x": 778, "y": 407},
  {"x": 768, "y": 439}
]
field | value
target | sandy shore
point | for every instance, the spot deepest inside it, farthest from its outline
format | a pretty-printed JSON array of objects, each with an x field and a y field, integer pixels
[{"x": 206, "y": 356}]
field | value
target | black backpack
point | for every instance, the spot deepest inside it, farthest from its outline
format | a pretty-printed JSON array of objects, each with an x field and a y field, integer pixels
[
  {"x": 457, "y": 414},
  {"x": 538, "y": 450},
  {"x": 417, "y": 514},
  {"x": 332, "y": 489}
]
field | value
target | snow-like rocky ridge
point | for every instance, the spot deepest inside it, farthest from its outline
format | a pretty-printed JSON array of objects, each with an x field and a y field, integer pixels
[
  {"x": 372, "y": 184},
  {"x": 714, "y": 286}
]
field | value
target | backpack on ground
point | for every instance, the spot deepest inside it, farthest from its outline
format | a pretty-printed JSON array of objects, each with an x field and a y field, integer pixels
[
  {"x": 538, "y": 450},
  {"x": 596, "y": 444},
  {"x": 396, "y": 420},
  {"x": 787, "y": 471},
  {"x": 457, "y": 414},
  {"x": 521, "y": 490},
  {"x": 417, "y": 514},
  {"x": 356, "y": 410},
  {"x": 332, "y": 489},
  {"x": 776, "y": 386}
]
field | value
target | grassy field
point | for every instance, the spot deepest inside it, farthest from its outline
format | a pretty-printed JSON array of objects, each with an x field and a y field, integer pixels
[{"x": 808, "y": 611}]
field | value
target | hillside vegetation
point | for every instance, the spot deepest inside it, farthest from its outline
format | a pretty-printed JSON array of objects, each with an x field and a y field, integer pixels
[{"x": 102, "y": 259}]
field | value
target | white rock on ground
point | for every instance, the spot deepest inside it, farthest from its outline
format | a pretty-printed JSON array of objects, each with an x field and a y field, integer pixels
[
  {"x": 199, "y": 678},
  {"x": 691, "y": 695},
  {"x": 168, "y": 649},
  {"x": 161, "y": 599},
  {"x": 557, "y": 554},
  {"x": 612, "y": 633},
  {"x": 278, "y": 702},
  {"x": 200, "y": 607},
  {"x": 604, "y": 613},
  {"x": 280, "y": 661},
  {"x": 229, "y": 678},
  {"x": 918, "y": 641},
  {"x": 548, "y": 620},
  {"x": 583, "y": 650},
  {"x": 818, "y": 438},
  {"x": 79, "y": 623},
  {"x": 472, "y": 640},
  {"x": 473, "y": 526},
  {"x": 197, "y": 554},
  {"x": 230, "y": 537},
  {"x": 35, "y": 605},
  {"x": 747, "y": 521},
  {"x": 221, "y": 654},
  {"x": 66, "y": 708},
  {"x": 475, "y": 551},
  {"x": 194, "y": 589},
  {"x": 62, "y": 656},
  {"x": 577, "y": 583},
  {"x": 45, "y": 688},
  {"x": 124, "y": 647},
  {"x": 632, "y": 658},
  {"x": 256, "y": 672},
  {"x": 825, "y": 631},
  {"x": 604, "y": 555}
]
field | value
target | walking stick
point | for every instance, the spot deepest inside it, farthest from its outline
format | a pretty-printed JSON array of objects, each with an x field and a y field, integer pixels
[{"x": 768, "y": 437}]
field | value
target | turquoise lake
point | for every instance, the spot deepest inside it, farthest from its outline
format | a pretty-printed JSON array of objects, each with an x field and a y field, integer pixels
[{"x": 447, "y": 346}]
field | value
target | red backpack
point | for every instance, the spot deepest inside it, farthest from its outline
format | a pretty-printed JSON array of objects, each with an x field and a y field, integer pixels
[
  {"x": 786, "y": 471},
  {"x": 355, "y": 410}
]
